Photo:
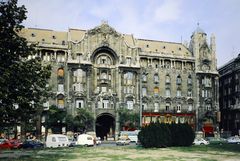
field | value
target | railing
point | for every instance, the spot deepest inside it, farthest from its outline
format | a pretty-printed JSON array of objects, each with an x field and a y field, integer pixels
[{"x": 168, "y": 111}]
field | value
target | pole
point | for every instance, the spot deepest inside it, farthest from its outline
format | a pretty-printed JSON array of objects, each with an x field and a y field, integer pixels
[{"x": 140, "y": 108}]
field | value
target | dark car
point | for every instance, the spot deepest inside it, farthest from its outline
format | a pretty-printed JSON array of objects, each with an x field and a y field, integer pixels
[
  {"x": 32, "y": 144},
  {"x": 219, "y": 141}
]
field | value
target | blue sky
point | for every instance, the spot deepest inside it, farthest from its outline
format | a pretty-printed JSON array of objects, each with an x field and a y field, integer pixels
[{"x": 162, "y": 20}]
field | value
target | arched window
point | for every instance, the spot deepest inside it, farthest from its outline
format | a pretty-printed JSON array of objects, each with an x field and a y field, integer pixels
[
  {"x": 178, "y": 107},
  {"x": 178, "y": 92},
  {"x": 155, "y": 78},
  {"x": 60, "y": 72},
  {"x": 189, "y": 93}
]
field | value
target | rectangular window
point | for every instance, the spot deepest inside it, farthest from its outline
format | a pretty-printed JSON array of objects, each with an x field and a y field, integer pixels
[
  {"x": 46, "y": 105},
  {"x": 109, "y": 77},
  {"x": 202, "y": 80},
  {"x": 189, "y": 81},
  {"x": 167, "y": 79},
  {"x": 104, "y": 89},
  {"x": 155, "y": 78},
  {"x": 60, "y": 104},
  {"x": 155, "y": 91},
  {"x": 144, "y": 106},
  {"x": 189, "y": 107},
  {"x": 202, "y": 93},
  {"x": 144, "y": 91},
  {"x": 79, "y": 103},
  {"x": 167, "y": 106},
  {"x": 206, "y": 93},
  {"x": 97, "y": 89},
  {"x": 178, "y": 93},
  {"x": 98, "y": 104},
  {"x": 167, "y": 92},
  {"x": 60, "y": 88},
  {"x": 130, "y": 105},
  {"x": 178, "y": 80},
  {"x": 179, "y": 108},
  {"x": 125, "y": 90},
  {"x": 105, "y": 103},
  {"x": 155, "y": 107}
]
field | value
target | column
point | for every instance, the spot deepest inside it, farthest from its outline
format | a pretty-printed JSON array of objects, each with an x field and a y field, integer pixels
[{"x": 55, "y": 54}]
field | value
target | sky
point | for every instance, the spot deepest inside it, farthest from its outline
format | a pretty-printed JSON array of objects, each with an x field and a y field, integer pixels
[{"x": 162, "y": 20}]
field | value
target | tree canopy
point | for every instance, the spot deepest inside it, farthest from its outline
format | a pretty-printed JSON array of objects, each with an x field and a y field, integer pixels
[
  {"x": 23, "y": 78},
  {"x": 128, "y": 119}
]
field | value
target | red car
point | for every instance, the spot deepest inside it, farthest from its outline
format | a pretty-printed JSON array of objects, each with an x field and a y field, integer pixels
[{"x": 9, "y": 145}]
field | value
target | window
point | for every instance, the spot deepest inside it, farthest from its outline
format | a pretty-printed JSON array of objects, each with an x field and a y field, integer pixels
[
  {"x": 202, "y": 93},
  {"x": 179, "y": 92},
  {"x": 104, "y": 61},
  {"x": 182, "y": 119},
  {"x": 156, "y": 64},
  {"x": 104, "y": 76},
  {"x": 104, "y": 89},
  {"x": 60, "y": 103},
  {"x": 156, "y": 107},
  {"x": 155, "y": 78},
  {"x": 105, "y": 103},
  {"x": 109, "y": 90},
  {"x": 144, "y": 91},
  {"x": 155, "y": 91},
  {"x": 178, "y": 80},
  {"x": 189, "y": 93},
  {"x": 129, "y": 75},
  {"x": 167, "y": 92},
  {"x": 46, "y": 105},
  {"x": 167, "y": 106},
  {"x": 60, "y": 58},
  {"x": 208, "y": 106},
  {"x": 98, "y": 104},
  {"x": 167, "y": 79},
  {"x": 130, "y": 105},
  {"x": 125, "y": 90},
  {"x": 190, "y": 107},
  {"x": 79, "y": 57},
  {"x": 206, "y": 93},
  {"x": 207, "y": 81},
  {"x": 189, "y": 81},
  {"x": 144, "y": 106},
  {"x": 79, "y": 103},
  {"x": 98, "y": 61},
  {"x": 144, "y": 78},
  {"x": 78, "y": 73},
  {"x": 202, "y": 80},
  {"x": 60, "y": 88},
  {"x": 128, "y": 60},
  {"x": 109, "y": 62},
  {"x": 178, "y": 108},
  {"x": 97, "y": 76},
  {"x": 60, "y": 72},
  {"x": 98, "y": 89},
  {"x": 109, "y": 77}
]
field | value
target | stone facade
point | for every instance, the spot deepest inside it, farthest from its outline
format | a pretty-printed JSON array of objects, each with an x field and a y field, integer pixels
[{"x": 105, "y": 70}]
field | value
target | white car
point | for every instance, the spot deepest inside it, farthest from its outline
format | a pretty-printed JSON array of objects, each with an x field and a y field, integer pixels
[
  {"x": 99, "y": 141},
  {"x": 233, "y": 140},
  {"x": 123, "y": 141},
  {"x": 200, "y": 141}
]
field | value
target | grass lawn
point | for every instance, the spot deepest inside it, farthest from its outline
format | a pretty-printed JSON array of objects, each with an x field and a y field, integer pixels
[{"x": 195, "y": 152}]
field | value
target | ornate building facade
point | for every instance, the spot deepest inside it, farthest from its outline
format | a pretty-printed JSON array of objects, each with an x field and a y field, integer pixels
[{"x": 104, "y": 70}]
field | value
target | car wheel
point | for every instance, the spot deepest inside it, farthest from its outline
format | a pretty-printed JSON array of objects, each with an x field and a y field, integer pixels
[
  {"x": 85, "y": 145},
  {"x": 202, "y": 144},
  {"x": 220, "y": 143},
  {"x": 238, "y": 143}
]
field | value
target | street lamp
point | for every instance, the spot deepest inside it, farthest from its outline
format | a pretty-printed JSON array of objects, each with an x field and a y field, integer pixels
[{"x": 141, "y": 99}]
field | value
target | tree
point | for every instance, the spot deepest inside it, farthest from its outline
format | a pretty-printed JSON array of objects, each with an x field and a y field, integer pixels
[
  {"x": 83, "y": 119},
  {"x": 54, "y": 117},
  {"x": 23, "y": 78},
  {"x": 128, "y": 118}
]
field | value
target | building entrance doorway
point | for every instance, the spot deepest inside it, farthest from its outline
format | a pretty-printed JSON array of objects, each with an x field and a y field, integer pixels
[{"x": 105, "y": 127}]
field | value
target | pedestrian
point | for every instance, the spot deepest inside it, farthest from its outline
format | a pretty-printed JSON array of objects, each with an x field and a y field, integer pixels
[{"x": 95, "y": 141}]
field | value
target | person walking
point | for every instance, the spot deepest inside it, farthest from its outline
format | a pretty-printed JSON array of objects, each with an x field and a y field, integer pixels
[{"x": 94, "y": 141}]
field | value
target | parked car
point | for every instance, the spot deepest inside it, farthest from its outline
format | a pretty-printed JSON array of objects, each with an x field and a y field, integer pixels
[
  {"x": 32, "y": 144},
  {"x": 73, "y": 142},
  {"x": 219, "y": 141},
  {"x": 123, "y": 141},
  {"x": 85, "y": 140},
  {"x": 200, "y": 141},
  {"x": 1, "y": 140},
  {"x": 9, "y": 145},
  {"x": 233, "y": 140},
  {"x": 19, "y": 141},
  {"x": 98, "y": 141},
  {"x": 208, "y": 138}
]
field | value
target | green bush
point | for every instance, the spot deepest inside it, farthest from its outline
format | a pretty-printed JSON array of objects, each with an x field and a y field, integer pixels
[
  {"x": 155, "y": 135},
  {"x": 158, "y": 135}
]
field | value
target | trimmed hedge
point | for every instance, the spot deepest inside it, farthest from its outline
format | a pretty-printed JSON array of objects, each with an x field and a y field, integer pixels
[{"x": 160, "y": 135}]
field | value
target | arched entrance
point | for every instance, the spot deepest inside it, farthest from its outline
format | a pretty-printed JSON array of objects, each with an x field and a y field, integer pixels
[{"x": 105, "y": 126}]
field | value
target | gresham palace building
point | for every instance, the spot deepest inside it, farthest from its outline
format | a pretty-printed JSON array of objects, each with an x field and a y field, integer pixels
[{"x": 104, "y": 70}]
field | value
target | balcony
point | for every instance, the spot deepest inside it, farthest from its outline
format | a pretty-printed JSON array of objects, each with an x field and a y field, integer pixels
[
  {"x": 169, "y": 111},
  {"x": 103, "y": 81}
]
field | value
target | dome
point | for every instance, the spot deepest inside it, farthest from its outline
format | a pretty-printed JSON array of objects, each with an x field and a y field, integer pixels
[{"x": 198, "y": 30}]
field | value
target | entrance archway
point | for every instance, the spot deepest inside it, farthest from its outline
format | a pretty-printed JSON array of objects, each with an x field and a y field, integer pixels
[{"x": 105, "y": 127}]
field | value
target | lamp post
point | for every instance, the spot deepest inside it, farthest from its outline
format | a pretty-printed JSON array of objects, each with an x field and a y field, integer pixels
[{"x": 141, "y": 99}]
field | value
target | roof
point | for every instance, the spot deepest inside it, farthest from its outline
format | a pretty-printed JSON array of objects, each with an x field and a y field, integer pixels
[{"x": 199, "y": 30}]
